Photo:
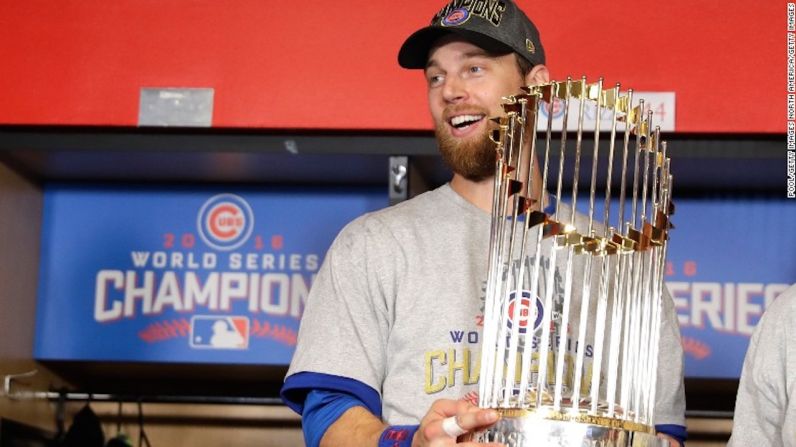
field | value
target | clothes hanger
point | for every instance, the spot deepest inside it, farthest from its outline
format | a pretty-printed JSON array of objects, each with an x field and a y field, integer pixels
[
  {"x": 60, "y": 416},
  {"x": 121, "y": 439},
  {"x": 142, "y": 437},
  {"x": 86, "y": 429}
]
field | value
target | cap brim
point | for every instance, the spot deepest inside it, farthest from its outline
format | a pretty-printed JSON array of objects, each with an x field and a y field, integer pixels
[{"x": 414, "y": 51}]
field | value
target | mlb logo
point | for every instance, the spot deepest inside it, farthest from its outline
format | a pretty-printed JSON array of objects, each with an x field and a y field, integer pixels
[{"x": 219, "y": 332}]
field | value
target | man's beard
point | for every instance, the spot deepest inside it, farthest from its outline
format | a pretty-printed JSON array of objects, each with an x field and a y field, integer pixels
[{"x": 473, "y": 159}]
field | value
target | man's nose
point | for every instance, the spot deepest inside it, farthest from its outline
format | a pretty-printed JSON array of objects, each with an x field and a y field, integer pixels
[{"x": 454, "y": 90}]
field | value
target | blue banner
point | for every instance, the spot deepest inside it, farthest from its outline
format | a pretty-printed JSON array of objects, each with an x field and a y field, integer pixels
[
  {"x": 183, "y": 275},
  {"x": 728, "y": 259},
  {"x": 180, "y": 275}
]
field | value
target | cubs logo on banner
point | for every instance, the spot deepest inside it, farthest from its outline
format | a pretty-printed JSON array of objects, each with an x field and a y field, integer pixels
[
  {"x": 179, "y": 275},
  {"x": 225, "y": 222}
]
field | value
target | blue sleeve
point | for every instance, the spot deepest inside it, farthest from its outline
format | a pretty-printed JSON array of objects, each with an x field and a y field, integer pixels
[
  {"x": 297, "y": 386},
  {"x": 677, "y": 432},
  {"x": 321, "y": 409}
]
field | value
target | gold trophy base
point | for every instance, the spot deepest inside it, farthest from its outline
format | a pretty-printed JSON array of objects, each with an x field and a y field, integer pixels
[{"x": 549, "y": 428}]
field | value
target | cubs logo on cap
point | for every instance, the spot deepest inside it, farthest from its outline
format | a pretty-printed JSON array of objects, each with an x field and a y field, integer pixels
[
  {"x": 456, "y": 17},
  {"x": 225, "y": 221},
  {"x": 497, "y": 26}
]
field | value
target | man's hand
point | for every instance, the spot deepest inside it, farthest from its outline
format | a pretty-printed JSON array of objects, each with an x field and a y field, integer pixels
[
  {"x": 358, "y": 426},
  {"x": 469, "y": 418},
  {"x": 672, "y": 442}
]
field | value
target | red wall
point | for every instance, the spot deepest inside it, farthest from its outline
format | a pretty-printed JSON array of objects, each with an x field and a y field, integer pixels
[{"x": 332, "y": 65}]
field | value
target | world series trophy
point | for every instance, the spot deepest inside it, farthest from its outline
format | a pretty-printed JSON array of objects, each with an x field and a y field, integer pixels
[{"x": 573, "y": 298}]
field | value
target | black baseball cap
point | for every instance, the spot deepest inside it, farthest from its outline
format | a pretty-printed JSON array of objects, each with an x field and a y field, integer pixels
[{"x": 498, "y": 26}]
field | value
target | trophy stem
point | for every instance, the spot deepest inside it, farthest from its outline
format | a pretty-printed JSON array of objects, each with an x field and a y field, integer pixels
[{"x": 562, "y": 332}]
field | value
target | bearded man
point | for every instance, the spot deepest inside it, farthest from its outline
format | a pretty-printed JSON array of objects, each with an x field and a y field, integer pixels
[{"x": 389, "y": 341}]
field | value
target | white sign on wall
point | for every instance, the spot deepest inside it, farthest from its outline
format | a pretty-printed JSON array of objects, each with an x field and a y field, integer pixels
[{"x": 662, "y": 105}]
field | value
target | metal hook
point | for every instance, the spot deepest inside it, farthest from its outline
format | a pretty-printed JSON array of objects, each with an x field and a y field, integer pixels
[
  {"x": 398, "y": 178},
  {"x": 399, "y": 173},
  {"x": 10, "y": 393},
  {"x": 9, "y": 378}
]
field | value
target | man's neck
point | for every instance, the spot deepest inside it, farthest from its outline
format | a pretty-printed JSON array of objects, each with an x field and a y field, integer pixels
[
  {"x": 480, "y": 193},
  {"x": 477, "y": 193}
]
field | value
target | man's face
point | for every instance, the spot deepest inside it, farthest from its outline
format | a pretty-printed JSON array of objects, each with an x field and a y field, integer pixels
[{"x": 465, "y": 87}]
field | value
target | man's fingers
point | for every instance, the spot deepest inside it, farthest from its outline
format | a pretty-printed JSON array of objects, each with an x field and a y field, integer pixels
[
  {"x": 451, "y": 427},
  {"x": 476, "y": 419},
  {"x": 455, "y": 426},
  {"x": 448, "y": 407},
  {"x": 449, "y": 419}
]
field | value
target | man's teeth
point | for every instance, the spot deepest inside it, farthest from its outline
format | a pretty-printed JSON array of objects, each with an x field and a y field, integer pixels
[{"x": 465, "y": 119}]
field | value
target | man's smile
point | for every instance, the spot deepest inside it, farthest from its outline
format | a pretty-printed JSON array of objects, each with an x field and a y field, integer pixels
[{"x": 465, "y": 123}]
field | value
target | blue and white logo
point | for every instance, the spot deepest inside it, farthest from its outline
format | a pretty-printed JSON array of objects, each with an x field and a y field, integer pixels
[
  {"x": 219, "y": 332},
  {"x": 225, "y": 222},
  {"x": 524, "y": 314},
  {"x": 456, "y": 17}
]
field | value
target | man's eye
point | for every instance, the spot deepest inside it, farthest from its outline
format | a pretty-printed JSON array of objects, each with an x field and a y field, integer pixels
[
  {"x": 435, "y": 80},
  {"x": 476, "y": 69}
]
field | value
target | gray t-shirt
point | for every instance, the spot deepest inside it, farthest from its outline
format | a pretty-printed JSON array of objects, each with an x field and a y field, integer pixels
[
  {"x": 765, "y": 408},
  {"x": 398, "y": 305}
]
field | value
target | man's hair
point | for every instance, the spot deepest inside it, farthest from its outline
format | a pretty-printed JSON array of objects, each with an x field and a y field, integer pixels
[{"x": 524, "y": 65}]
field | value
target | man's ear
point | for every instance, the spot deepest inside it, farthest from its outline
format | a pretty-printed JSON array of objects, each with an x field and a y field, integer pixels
[{"x": 539, "y": 74}]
